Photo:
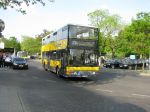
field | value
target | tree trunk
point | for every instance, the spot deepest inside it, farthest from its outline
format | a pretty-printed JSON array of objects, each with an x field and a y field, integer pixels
[
  {"x": 143, "y": 66},
  {"x": 113, "y": 53}
]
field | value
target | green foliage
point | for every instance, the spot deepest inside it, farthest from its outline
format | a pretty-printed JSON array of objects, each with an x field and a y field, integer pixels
[
  {"x": 135, "y": 38},
  {"x": 17, "y": 4},
  {"x": 98, "y": 17},
  {"x": 30, "y": 44},
  {"x": 43, "y": 34},
  {"x": 12, "y": 42},
  {"x": 124, "y": 44},
  {"x": 109, "y": 26},
  {"x": 33, "y": 45}
]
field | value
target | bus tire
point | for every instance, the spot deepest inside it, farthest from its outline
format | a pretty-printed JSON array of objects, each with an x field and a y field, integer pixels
[{"x": 44, "y": 66}]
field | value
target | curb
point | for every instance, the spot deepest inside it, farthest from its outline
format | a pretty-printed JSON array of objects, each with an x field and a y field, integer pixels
[{"x": 145, "y": 74}]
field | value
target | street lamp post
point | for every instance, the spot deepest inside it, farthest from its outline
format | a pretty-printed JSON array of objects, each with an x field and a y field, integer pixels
[{"x": 2, "y": 27}]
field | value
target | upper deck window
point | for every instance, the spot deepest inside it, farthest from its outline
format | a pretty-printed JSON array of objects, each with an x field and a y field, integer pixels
[{"x": 83, "y": 32}]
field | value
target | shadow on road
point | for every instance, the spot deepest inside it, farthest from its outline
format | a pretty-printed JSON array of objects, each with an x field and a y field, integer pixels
[
  {"x": 105, "y": 76},
  {"x": 38, "y": 95},
  {"x": 63, "y": 97}
]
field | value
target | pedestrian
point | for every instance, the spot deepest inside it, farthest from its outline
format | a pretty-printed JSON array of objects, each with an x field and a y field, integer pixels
[
  {"x": 8, "y": 61},
  {"x": 3, "y": 60}
]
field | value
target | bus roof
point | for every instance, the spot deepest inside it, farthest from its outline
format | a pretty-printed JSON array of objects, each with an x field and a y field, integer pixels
[
  {"x": 47, "y": 36},
  {"x": 80, "y": 25}
]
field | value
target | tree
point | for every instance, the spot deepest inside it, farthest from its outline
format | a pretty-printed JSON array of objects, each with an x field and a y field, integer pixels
[
  {"x": 40, "y": 36},
  {"x": 12, "y": 42},
  {"x": 112, "y": 46},
  {"x": 109, "y": 26},
  {"x": 29, "y": 44},
  {"x": 17, "y": 4},
  {"x": 43, "y": 34},
  {"x": 97, "y": 19},
  {"x": 33, "y": 45},
  {"x": 124, "y": 42},
  {"x": 141, "y": 33},
  {"x": 136, "y": 37}
]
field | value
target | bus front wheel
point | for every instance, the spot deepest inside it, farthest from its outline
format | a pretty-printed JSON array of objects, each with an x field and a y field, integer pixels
[{"x": 44, "y": 66}]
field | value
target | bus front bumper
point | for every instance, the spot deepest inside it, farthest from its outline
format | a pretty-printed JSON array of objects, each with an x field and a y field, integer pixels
[{"x": 80, "y": 74}]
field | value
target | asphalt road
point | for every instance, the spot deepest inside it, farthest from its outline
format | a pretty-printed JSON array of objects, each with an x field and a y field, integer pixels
[{"x": 36, "y": 90}]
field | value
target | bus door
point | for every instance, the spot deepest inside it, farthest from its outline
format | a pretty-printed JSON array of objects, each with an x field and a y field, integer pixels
[
  {"x": 48, "y": 59},
  {"x": 62, "y": 58},
  {"x": 45, "y": 60}
]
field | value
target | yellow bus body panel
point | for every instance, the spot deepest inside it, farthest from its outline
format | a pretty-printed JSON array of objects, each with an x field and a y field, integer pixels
[
  {"x": 62, "y": 44},
  {"x": 82, "y": 69},
  {"x": 54, "y": 63},
  {"x": 46, "y": 61}
]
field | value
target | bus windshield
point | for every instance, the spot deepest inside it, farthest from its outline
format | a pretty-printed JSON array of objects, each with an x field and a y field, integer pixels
[
  {"x": 83, "y": 46},
  {"x": 82, "y": 57}
]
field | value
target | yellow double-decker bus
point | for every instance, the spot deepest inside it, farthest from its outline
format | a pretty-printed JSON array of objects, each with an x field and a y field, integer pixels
[{"x": 72, "y": 51}]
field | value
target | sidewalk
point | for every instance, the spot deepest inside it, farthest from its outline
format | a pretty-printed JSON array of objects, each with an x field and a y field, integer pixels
[
  {"x": 126, "y": 71},
  {"x": 145, "y": 73}
]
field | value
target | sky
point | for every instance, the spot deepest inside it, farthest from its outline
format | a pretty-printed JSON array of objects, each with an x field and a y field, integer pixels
[{"x": 56, "y": 14}]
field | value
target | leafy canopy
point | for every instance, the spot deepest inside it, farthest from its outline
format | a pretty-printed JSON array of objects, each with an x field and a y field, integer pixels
[
  {"x": 135, "y": 38},
  {"x": 17, "y": 4},
  {"x": 33, "y": 45},
  {"x": 109, "y": 26},
  {"x": 12, "y": 42}
]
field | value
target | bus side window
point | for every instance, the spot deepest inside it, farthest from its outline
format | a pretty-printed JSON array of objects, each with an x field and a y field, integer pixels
[
  {"x": 58, "y": 55},
  {"x": 53, "y": 55}
]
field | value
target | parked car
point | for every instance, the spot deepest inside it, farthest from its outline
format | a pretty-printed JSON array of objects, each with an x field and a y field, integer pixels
[
  {"x": 124, "y": 65},
  {"x": 19, "y": 63},
  {"x": 32, "y": 57},
  {"x": 132, "y": 63},
  {"x": 112, "y": 64}
]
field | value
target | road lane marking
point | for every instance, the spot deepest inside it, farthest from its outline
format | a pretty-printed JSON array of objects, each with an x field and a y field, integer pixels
[
  {"x": 21, "y": 102},
  {"x": 109, "y": 91},
  {"x": 141, "y": 95}
]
